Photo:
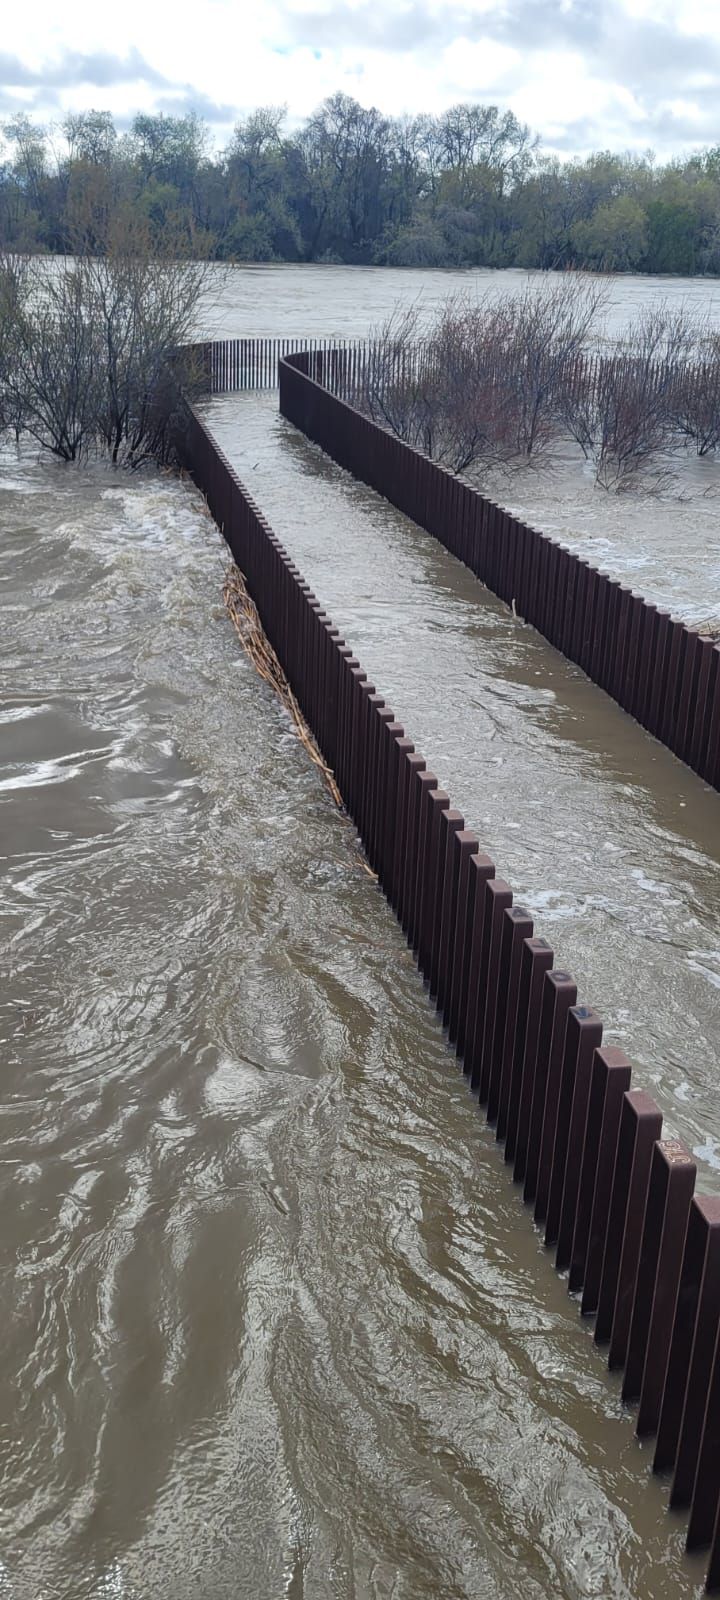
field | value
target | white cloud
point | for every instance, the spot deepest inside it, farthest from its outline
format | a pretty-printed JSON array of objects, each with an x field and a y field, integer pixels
[{"x": 583, "y": 72}]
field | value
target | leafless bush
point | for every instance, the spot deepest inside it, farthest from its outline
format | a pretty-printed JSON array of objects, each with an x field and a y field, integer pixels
[
  {"x": 550, "y": 328},
  {"x": 144, "y": 310},
  {"x": 14, "y": 291},
  {"x": 500, "y": 381},
  {"x": 392, "y": 383},
  {"x": 623, "y": 409},
  {"x": 695, "y": 404},
  {"x": 90, "y": 358},
  {"x": 53, "y": 386},
  {"x": 444, "y": 391},
  {"x": 632, "y": 431},
  {"x": 473, "y": 384},
  {"x": 480, "y": 387}
]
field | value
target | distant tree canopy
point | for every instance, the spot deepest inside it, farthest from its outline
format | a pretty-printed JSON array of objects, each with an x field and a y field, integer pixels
[{"x": 471, "y": 187}]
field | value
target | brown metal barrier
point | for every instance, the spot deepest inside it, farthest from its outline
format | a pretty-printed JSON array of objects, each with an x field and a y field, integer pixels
[
  {"x": 664, "y": 674},
  {"x": 233, "y": 364},
  {"x": 615, "y": 1200}
]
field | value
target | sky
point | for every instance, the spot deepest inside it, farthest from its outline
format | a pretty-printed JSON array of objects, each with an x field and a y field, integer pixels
[{"x": 585, "y": 74}]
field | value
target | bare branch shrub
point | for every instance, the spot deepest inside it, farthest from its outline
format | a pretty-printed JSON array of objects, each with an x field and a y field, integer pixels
[
  {"x": 551, "y": 326},
  {"x": 445, "y": 391},
  {"x": 91, "y": 360},
  {"x": 14, "y": 291},
  {"x": 632, "y": 428},
  {"x": 53, "y": 385},
  {"x": 473, "y": 391},
  {"x": 481, "y": 386},
  {"x": 696, "y": 397},
  {"x": 622, "y": 409},
  {"x": 391, "y": 385},
  {"x": 499, "y": 381},
  {"x": 144, "y": 310}
]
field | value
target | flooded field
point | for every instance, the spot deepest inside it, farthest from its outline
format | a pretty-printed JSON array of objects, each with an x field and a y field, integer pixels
[
  {"x": 665, "y": 546},
  {"x": 275, "y": 1324}
]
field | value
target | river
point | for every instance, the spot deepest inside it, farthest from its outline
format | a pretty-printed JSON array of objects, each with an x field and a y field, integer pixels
[
  {"x": 275, "y": 1324},
  {"x": 277, "y": 301}
]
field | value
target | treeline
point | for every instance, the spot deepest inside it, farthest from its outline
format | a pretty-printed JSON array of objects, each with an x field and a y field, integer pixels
[{"x": 471, "y": 187}]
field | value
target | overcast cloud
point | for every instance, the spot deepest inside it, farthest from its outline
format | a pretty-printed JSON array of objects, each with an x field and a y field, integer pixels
[{"x": 586, "y": 74}]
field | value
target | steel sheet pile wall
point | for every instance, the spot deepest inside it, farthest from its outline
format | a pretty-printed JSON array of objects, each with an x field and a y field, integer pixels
[
  {"x": 254, "y": 363},
  {"x": 613, "y": 1199},
  {"x": 664, "y": 674}
]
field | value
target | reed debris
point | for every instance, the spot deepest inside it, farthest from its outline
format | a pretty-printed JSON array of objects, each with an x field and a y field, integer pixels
[{"x": 246, "y": 621}]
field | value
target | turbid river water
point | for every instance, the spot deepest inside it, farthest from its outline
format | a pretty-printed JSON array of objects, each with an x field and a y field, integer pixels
[
  {"x": 635, "y": 536},
  {"x": 347, "y": 302},
  {"x": 275, "y": 1324}
]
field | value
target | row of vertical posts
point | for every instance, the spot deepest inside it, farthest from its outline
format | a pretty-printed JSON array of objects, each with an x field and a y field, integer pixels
[
  {"x": 234, "y": 364},
  {"x": 253, "y": 363},
  {"x": 614, "y": 1201},
  {"x": 661, "y": 672}
]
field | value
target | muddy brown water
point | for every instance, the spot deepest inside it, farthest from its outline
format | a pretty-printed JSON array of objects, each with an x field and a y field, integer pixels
[
  {"x": 663, "y": 541},
  {"x": 274, "y": 1321},
  {"x": 280, "y": 299},
  {"x": 611, "y": 842}
]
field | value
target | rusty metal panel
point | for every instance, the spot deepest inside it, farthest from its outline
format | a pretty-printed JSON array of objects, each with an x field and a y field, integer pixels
[{"x": 672, "y": 1180}]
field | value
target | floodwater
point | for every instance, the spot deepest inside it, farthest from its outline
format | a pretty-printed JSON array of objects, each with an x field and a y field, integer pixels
[
  {"x": 663, "y": 543},
  {"x": 275, "y": 1322},
  {"x": 611, "y": 842},
  {"x": 634, "y": 536},
  {"x": 282, "y": 300}
]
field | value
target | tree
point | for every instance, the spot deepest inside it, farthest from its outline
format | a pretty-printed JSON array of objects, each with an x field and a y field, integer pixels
[
  {"x": 614, "y": 238},
  {"x": 465, "y": 188},
  {"x": 91, "y": 137},
  {"x": 346, "y": 151},
  {"x": 259, "y": 222},
  {"x": 89, "y": 351},
  {"x": 476, "y": 136}
]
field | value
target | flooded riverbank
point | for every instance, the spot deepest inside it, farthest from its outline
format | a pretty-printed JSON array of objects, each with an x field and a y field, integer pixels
[
  {"x": 662, "y": 545},
  {"x": 275, "y": 1325}
]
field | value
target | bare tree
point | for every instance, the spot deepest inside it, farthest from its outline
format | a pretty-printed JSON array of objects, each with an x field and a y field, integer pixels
[
  {"x": 481, "y": 385},
  {"x": 91, "y": 357},
  {"x": 623, "y": 409},
  {"x": 14, "y": 292}
]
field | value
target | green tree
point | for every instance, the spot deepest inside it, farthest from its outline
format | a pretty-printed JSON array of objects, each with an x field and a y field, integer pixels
[{"x": 614, "y": 238}]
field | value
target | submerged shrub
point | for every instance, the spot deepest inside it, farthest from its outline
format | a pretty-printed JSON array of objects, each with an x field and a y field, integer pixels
[{"x": 90, "y": 358}]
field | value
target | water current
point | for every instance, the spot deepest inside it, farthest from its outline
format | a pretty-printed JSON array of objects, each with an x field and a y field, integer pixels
[{"x": 275, "y": 1323}]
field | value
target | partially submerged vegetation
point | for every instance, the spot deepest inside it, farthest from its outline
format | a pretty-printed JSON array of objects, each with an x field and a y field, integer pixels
[
  {"x": 510, "y": 381},
  {"x": 90, "y": 349}
]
